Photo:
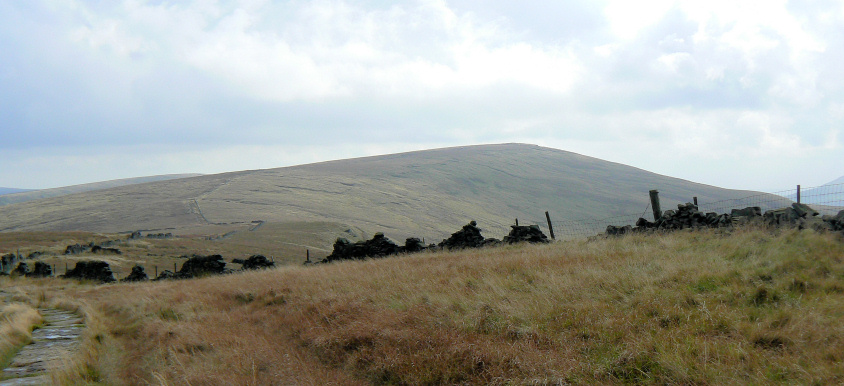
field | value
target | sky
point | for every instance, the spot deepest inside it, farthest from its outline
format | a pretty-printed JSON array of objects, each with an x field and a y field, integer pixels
[{"x": 737, "y": 94}]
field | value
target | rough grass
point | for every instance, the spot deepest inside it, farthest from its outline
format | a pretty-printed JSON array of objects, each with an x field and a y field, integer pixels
[
  {"x": 17, "y": 320},
  {"x": 691, "y": 308}
]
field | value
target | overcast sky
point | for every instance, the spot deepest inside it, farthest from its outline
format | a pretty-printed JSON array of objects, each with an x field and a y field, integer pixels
[{"x": 738, "y": 94}]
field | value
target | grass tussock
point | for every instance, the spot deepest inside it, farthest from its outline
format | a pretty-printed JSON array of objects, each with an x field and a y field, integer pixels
[
  {"x": 17, "y": 320},
  {"x": 691, "y": 308}
]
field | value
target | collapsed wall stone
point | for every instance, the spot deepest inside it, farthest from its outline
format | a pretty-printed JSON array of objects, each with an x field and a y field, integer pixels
[
  {"x": 257, "y": 262},
  {"x": 526, "y": 234},
  {"x": 197, "y": 266},
  {"x": 8, "y": 259},
  {"x": 203, "y": 265},
  {"x": 91, "y": 270},
  {"x": 168, "y": 275},
  {"x": 613, "y": 230},
  {"x": 688, "y": 216},
  {"x": 798, "y": 215},
  {"x": 34, "y": 255},
  {"x": 41, "y": 269},
  {"x": 378, "y": 246},
  {"x": 100, "y": 249},
  {"x": 414, "y": 245},
  {"x": 159, "y": 236},
  {"x": 21, "y": 270},
  {"x": 467, "y": 237},
  {"x": 76, "y": 249},
  {"x": 836, "y": 223},
  {"x": 137, "y": 274}
]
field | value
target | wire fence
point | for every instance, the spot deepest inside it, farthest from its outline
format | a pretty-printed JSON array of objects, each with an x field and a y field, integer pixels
[{"x": 826, "y": 199}]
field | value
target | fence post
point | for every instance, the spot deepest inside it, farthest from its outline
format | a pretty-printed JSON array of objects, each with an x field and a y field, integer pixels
[
  {"x": 308, "y": 255},
  {"x": 174, "y": 267},
  {"x": 798, "y": 194},
  {"x": 695, "y": 200},
  {"x": 517, "y": 222},
  {"x": 655, "y": 204},
  {"x": 156, "y": 271},
  {"x": 550, "y": 227}
]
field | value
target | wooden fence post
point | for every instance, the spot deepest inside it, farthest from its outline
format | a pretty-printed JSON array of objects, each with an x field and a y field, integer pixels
[
  {"x": 655, "y": 204},
  {"x": 517, "y": 222},
  {"x": 695, "y": 200},
  {"x": 550, "y": 227},
  {"x": 156, "y": 271},
  {"x": 798, "y": 194},
  {"x": 174, "y": 267}
]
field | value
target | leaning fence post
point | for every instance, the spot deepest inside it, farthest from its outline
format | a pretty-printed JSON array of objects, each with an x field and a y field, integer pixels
[
  {"x": 798, "y": 194},
  {"x": 550, "y": 227},
  {"x": 655, "y": 204}
]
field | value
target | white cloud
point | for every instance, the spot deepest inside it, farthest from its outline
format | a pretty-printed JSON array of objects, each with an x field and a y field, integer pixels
[{"x": 700, "y": 81}]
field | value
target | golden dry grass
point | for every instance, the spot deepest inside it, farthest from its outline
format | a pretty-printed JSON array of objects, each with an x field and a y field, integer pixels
[
  {"x": 17, "y": 321},
  {"x": 705, "y": 307}
]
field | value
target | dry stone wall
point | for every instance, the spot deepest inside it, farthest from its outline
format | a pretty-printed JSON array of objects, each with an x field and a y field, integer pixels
[{"x": 687, "y": 216}]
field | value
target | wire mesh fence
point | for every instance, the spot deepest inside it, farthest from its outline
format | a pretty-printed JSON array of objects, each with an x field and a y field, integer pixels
[
  {"x": 766, "y": 201},
  {"x": 572, "y": 229}
]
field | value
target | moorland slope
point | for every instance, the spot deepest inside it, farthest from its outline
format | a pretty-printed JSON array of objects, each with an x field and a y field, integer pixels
[
  {"x": 12, "y": 196},
  {"x": 425, "y": 193}
]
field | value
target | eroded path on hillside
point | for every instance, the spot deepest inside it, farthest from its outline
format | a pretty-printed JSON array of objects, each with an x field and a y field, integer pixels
[{"x": 55, "y": 341}]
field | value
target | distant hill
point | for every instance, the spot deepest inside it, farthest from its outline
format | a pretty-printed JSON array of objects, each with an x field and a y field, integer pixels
[
  {"x": 428, "y": 193},
  {"x": 830, "y": 194},
  {"x": 4, "y": 191},
  {"x": 14, "y": 196}
]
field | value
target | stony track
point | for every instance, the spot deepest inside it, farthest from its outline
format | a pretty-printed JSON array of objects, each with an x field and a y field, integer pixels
[{"x": 51, "y": 344}]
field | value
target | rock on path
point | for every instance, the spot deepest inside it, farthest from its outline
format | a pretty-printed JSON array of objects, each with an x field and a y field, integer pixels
[{"x": 55, "y": 340}]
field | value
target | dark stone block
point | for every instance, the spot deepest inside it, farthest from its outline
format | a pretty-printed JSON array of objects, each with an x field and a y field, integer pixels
[
  {"x": 529, "y": 234},
  {"x": 257, "y": 262},
  {"x": 467, "y": 237},
  {"x": 91, "y": 270},
  {"x": 137, "y": 274}
]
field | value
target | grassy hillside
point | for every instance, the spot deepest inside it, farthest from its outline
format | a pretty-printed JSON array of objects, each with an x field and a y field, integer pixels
[
  {"x": 12, "y": 196},
  {"x": 709, "y": 307},
  {"x": 4, "y": 191},
  {"x": 426, "y": 194},
  {"x": 287, "y": 243}
]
